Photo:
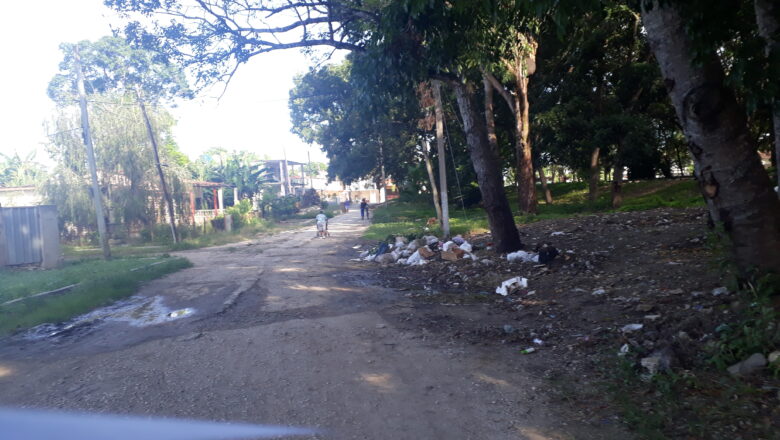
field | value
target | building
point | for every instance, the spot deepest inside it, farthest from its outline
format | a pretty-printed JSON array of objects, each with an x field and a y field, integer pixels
[
  {"x": 11, "y": 196},
  {"x": 286, "y": 175}
]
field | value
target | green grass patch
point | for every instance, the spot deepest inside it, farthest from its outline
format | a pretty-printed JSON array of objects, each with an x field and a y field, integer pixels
[
  {"x": 569, "y": 200},
  {"x": 101, "y": 283}
]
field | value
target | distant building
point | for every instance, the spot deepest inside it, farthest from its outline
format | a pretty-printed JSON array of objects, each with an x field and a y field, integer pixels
[
  {"x": 287, "y": 175},
  {"x": 11, "y": 196}
]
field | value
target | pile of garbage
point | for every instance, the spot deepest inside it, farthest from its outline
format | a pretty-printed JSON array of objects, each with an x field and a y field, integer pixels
[{"x": 420, "y": 251}]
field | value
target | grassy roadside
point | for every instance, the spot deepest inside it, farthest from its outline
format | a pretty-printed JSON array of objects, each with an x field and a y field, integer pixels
[
  {"x": 218, "y": 238},
  {"x": 569, "y": 200},
  {"x": 100, "y": 283}
]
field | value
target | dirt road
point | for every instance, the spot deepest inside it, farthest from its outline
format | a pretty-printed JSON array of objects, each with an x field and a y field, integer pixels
[{"x": 285, "y": 330}]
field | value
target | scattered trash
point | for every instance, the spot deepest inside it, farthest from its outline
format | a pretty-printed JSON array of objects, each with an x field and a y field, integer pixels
[
  {"x": 624, "y": 350},
  {"x": 528, "y": 257},
  {"x": 659, "y": 360},
  {"x": 631, "y": 328},
  {"x": 386, "y": 258},
  {"x": 528, "y": 350},
  {"x": 451, "y": 255},
  {"x": 430, "y": 239},
  {"x": 466, "y": 246},
  {"x": 652, "y": 317},
  {"x": 383, "y": 248},
  {"x": 511, "y": 284},
  {"x": 508, "y": 329},
  {"x": 598, "y": 292},
  {"x": 447, "y": 246},
  {"x": 538, "y": 341},
  {"x": 774, "y": 357},
  {"x": 415, "y": 259},
  {"x": 720, "y": 291},
  {"x": 458, "y": 239},
  {"x": 557, "y": 233},
  {"x": 364, "y": 254},
  {"x": 179, "y": 313},
  {"x": 755, "y": 362},
  {"x": 486, "y": 261},
  {"x": 425, "y": 252},
  {"x": 547, "y": 254}
]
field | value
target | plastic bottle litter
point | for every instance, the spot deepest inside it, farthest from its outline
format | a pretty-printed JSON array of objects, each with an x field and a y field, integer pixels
[{"x": 528, "y": 350}]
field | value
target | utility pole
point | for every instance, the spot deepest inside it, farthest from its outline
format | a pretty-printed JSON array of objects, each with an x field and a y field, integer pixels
[
  {"x": 311, "y": 175},
  {"x": 87, "y": 136},
  {"x": 286, "y": 176},
  {"x": 440, "y": 147},
  {"x": 166, "y": 194}
]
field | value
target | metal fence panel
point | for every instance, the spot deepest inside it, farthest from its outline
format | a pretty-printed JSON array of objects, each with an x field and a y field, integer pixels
[{"x": 23, "y": 235}]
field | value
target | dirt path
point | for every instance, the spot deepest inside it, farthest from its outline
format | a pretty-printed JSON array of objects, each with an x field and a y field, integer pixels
[{"x": 285, "y": 331}]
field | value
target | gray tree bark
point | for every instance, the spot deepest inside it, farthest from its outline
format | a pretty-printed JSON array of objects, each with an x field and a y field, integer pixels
[
  {"x": 595, "y": 171},
  {"x": 733, "y": 181},
  {"x": 163, "y": 184},
  {"x": 768, "y": 27},
  {"x": 487, "y": 165},
  {"x": 97, "y": 195},
  {"x": 432, "y": 179},
  {"x": 442, "y": 156}
]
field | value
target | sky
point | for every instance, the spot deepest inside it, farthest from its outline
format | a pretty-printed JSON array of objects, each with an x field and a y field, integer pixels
[{"x": 252, "y": 115}]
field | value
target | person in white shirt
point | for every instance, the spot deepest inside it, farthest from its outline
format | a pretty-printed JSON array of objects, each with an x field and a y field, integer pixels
[{"x": 322, "y": 224}]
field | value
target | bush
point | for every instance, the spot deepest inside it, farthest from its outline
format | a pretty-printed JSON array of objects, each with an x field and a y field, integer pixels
[
  {"x": 218, "y": 223},
  {"x": 310, "y": 198},
  {"x": 242, "y": 214},
  {"x": 284, "y": 206}
]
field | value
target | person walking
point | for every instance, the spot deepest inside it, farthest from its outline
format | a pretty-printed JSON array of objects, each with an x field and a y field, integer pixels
[
  {"x": 322, "y": 224},
  {"x": 363, "y": 209}
]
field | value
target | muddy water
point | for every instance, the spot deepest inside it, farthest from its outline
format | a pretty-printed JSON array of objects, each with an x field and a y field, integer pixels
[{"x": 137, "y": 311}]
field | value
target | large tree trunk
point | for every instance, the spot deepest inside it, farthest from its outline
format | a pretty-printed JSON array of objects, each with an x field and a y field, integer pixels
[
  {"x": 728, "y": 169},
  {"x": 617, "y": 182},
  {"x": 518, "y": 105},
  {"x": 487, "y": 165},
  {"x": 432, "y": 179},
  {"x": 490, "y": 118},
  {"x": 97, "y": 195},
  {"x": 163, "y": 185},
  {"x": 593, "y": 182},
  {"x": 526, "y": 188},
  {"x": 442, "y": 156},
  {"x": 768, "y": 27},
  {"x": 543, "y": 180}
]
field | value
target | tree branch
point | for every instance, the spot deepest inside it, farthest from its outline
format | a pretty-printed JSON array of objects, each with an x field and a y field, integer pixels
[{"x": 510, "y": 100}]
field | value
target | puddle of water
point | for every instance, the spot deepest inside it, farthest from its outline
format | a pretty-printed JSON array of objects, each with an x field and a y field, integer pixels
[{"x": 137, "y": 311}]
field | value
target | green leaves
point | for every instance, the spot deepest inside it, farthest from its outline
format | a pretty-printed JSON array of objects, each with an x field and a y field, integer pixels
[{"x": 111, "y": 64}]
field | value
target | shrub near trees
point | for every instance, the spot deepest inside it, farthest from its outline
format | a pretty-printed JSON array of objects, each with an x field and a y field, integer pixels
[{"x": 580, "y": 79}]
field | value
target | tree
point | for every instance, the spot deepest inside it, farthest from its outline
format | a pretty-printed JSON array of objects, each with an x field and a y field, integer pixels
[
  {"x": 127, "y": 169},
  {"x": 197, "y": 35},
  {"x": 361, "y": 127},
  {"x": 16, "y": 170},
  {"x": 733, "y": 181},
  {"x": 112, "y": 64}
]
